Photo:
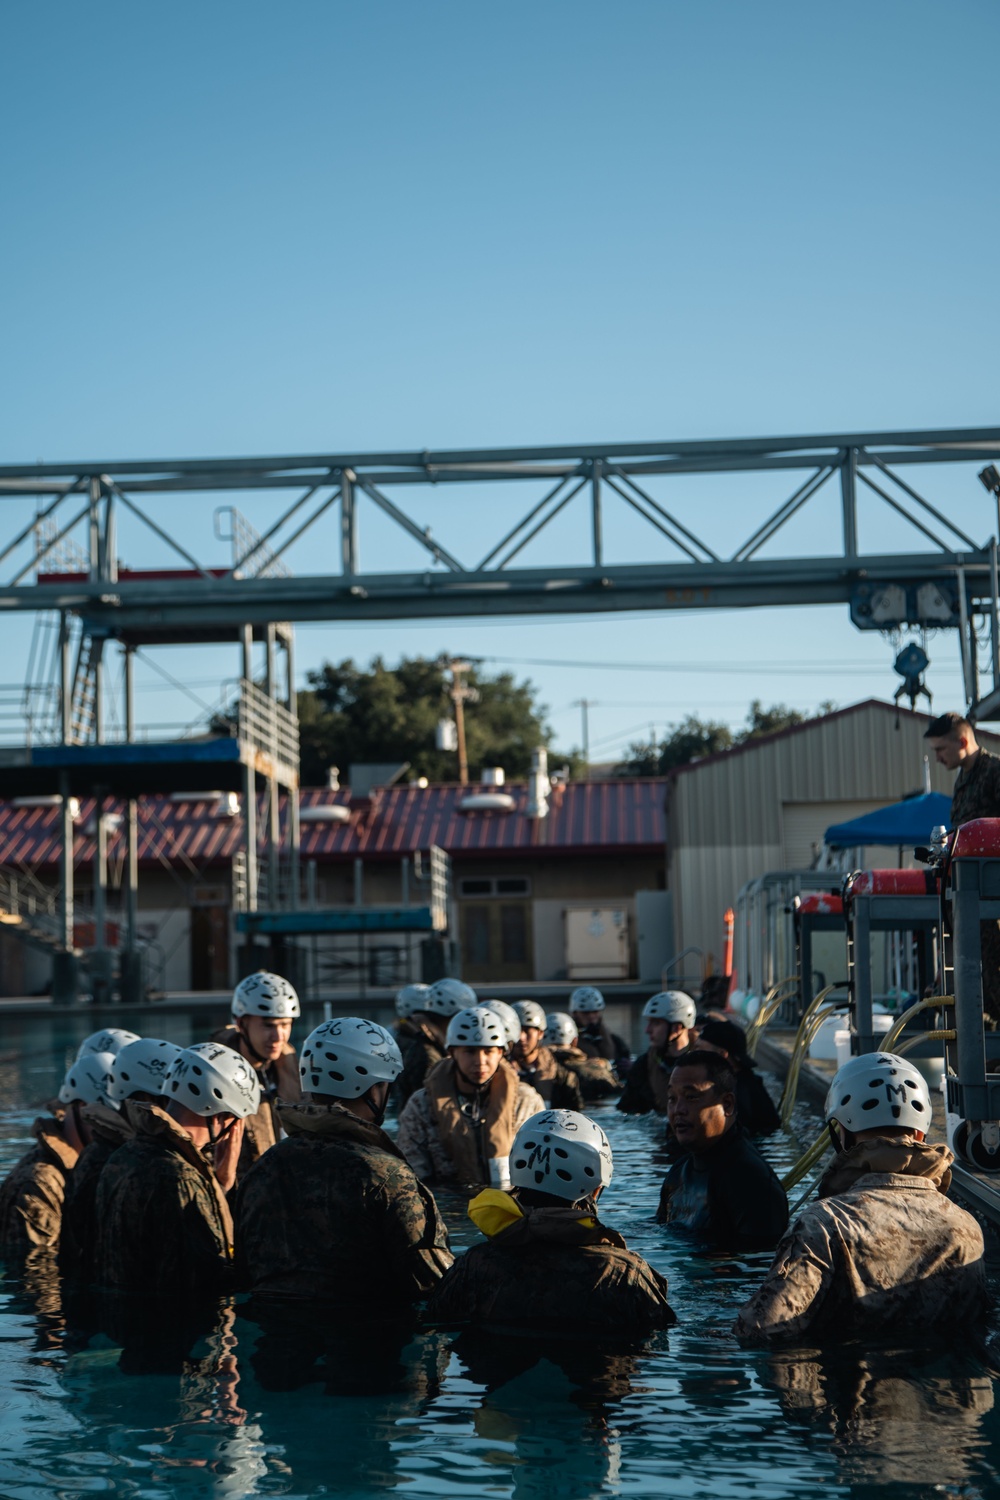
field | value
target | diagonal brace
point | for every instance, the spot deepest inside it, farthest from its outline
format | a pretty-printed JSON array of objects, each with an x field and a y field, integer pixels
[
  {"x": 938, "y": 516},
  {"x": 671, "y": 520},
  {"x": 653, "y": 521},
  {"x": 541, "y": 525},
  {"x": 524, "y": 521},
  {"x": 884, "y": 495},
  {"x": 784, "y": 513},
  {"x": 23, "y": 535},
  {"x": 164, "y": 536},
  {"x": 422, "y": 536},
  {"x": 263, "y": 540}
]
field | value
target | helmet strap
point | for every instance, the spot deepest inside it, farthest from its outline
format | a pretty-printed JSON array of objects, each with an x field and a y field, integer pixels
[
  {"x": 835, "y": 1138},
  {"x": 377, "y": 1112}
]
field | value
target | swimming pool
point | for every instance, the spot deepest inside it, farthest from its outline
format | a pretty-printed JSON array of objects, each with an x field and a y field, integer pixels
[{"x": 688, "y": 1415}]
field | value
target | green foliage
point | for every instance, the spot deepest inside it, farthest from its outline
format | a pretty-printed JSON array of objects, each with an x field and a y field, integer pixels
[
  {"x": 352, "y": 714},
  {"x": 694, "y": 738}
]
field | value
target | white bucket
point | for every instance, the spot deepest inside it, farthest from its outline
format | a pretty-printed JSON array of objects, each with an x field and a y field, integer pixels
[{"x": 842, "y": 1039}]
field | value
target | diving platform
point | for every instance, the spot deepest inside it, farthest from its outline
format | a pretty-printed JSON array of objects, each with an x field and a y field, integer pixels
[{"x": 129, "y": 769}]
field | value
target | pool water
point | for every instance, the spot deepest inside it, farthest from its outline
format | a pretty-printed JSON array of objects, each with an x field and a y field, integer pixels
[{"x": 688, "y": 1414}]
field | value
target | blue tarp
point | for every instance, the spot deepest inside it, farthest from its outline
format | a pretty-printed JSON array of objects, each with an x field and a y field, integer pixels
[{"x": 903, "y": 825}]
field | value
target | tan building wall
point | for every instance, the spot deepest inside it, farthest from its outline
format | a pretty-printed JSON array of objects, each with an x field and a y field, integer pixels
[{"x": 762, "y": 807}]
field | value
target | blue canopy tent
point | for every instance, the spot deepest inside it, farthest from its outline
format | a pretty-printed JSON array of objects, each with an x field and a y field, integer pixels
[{"x": 902, "y": 825}]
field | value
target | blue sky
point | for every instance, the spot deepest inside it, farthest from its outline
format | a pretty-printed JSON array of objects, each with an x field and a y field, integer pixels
[{"x": 248, "y": 228}]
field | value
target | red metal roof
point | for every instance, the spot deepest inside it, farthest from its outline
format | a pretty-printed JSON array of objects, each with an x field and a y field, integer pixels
[{"x": 597, "y": 817}]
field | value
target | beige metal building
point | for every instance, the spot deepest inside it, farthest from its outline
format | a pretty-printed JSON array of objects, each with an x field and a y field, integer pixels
[{"x": 765, "y": 805}]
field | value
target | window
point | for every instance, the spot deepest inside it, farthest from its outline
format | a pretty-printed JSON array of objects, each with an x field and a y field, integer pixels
[{"x": 494, "y": 885}]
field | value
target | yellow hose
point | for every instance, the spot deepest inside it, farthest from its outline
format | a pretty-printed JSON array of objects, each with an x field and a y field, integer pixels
[
  {"x": 809, "y": 1159},
  {"x": 772, "y": 1002},
  {"x": 808, "y": 1027},
  {"x": 932, "y": 1002}
]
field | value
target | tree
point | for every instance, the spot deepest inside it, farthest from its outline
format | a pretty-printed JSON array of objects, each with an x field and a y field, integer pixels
[
  {"x": 761, "y": 720},
  {"x": 690, "y": 740},
  {"x": 351, "y": 714}
]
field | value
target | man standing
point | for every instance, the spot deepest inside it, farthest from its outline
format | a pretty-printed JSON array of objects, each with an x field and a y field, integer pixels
[
  {"x": 669, "y": 1018},
  {"x": 884, "y": 1250},
  {"x": 535, "y": 1063},
  {"x": 587, "y": 1007},
  {"x": 334, "y": 1214},
  {"x": 163, "y": 1224},
  {"x": 722, "y": 1191},
  {"x": 549, "y": 1265},
  {"x": 264, "y": 1007},
  {"x": 976, "y": 794}
]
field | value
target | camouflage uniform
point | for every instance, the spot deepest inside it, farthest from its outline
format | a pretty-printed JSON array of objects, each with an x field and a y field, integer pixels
[
  {"x": 163, "y": 1225},
  {"x": 598, "y": 1041},
  {"x": 32, "y": 1194},
  {"x": 551, "y": 1269},
  {"x": 334, "y": 1213},
  {"x": 976, "y": 794},
  {"x": 557, "y": 1085},
  {"x": 278, "y": 1080},
  {"x": 421, "y": 1049},
  {"x": 883, "y": 1250},
  {"x": 595, "y": 1074},
  {"x": 109, "y": 1129},
  {"x": 422, "y": 1143},
  {"x": 646, "y": 1085}
]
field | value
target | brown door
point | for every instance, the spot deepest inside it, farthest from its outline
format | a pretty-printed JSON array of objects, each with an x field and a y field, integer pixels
[
  {"x": 210, "y": 948},
  {"x": 496, "y": 941}
]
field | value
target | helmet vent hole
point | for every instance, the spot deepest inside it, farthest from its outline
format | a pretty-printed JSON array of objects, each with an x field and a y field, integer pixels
[
  {"x": 870, "y": 1104},
  {"x": 217, "y": 1093},
  {"x": 560, "y": 1152},
  {"x": 563, "y": 1175},
  {"x": 193, "y": 1089},
  {"x": 338, "y": 1076},
  {"x": 195, "y": 1069},
  {"x": 359, "y": 1069}
]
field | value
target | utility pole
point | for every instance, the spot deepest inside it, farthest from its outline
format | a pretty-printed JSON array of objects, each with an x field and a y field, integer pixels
[
  {"x": 460, "y": 694},
  {"x": 583, "y": 704}
]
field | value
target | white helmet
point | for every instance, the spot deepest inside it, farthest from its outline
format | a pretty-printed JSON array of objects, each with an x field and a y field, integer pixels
[
  {"x": 585, "y": 997},
  {"x": 346, "y": 1056},
  {"x": 508, "y": 1015},
  {"x": 448, "y": 996},
  {"x": 112, "y": 1040},
  {"x": 879, "y": 1088},
  {"x": 410, "y": 998},
  {"x": 670, "y": 1005},
  {"x": 88, "y": 1079},
  {"x": 209, "y": 1079},
  {"x": 560, "y": 1030},
  {"x": 142, "y": 1065},
  {"x": 530, "y": 1013},
  {"x": 264, "y": 994},
  {"x": 561, "y": 1152},
  {"x": 476, "y": 1027}
]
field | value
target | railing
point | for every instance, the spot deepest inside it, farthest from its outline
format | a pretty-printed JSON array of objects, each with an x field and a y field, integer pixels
[{"x": 271, "y": 731}]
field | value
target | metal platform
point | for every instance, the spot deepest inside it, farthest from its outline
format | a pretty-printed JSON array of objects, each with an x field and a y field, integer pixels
[{"x": 124, "y": 770}]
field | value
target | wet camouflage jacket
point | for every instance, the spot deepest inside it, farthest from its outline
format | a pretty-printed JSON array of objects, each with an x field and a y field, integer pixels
[
  {"x": 32, "y": 1194},
  {"x": 278, "y": 1080},
  {"x": 595, "y": 1074},
  {"x": 558, "y": 1086},
  {"x": 420, "y": 1049},
  {"x": 976, "y": 793},
  {"x": 163, "y": 1226},
  {"x": 883, "y": 1248},
  {"x": 598, "y": 1041},
  {"x": 424, "y": 1148},
  {"x": 109, "y": 1129},
  {"x": 552, "y": 1269},
  {"x": 335, "y": 1213}
]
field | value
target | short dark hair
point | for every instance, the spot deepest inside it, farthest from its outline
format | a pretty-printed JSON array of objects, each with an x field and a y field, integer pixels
[
  {"x": 718, "y": 1069},
  {"x": 947, "y": 726},
  {"x": 725, "y": 1034}
]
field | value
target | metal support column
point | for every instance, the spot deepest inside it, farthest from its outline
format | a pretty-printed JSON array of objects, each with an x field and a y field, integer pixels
[
  {"x": 970, "y": 1046},
  {"x": 849, "y": 500},
  {"x": 273, "y": 803},
  {"x": 966, "y": 640},
  {"x": 863, "y": 1039},
  {"x": 64, "y": 969},
  {"x": 100, "y": 958},
  {"x": 294, "y": 825},
  {"x": 349, "y": 559},
  {"x": 249, "y": 789},
  {"x": 994, "y": 630},
  {"x": 65, "y": 681},
  {"x": 595, "y": 485},
  {"x": 131, "y": 959}
]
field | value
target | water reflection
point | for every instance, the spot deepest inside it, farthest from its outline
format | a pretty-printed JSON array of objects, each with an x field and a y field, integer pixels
[{"x": 241, "y": 1399}]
